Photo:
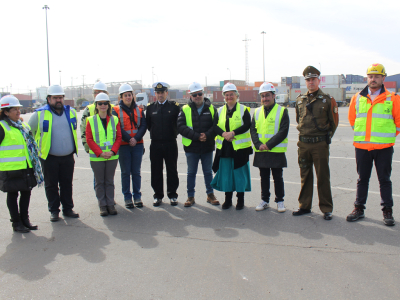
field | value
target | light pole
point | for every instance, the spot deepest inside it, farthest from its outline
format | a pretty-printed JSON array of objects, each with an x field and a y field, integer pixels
[
  {"x": 230, "y": 74},
  {"x": 47, "y": 38},
  {"x": 60, "y": 76},
  {"x": 263, "y": 33}
]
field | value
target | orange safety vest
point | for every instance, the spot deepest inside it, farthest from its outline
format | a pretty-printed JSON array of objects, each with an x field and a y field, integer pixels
[{"x": 126, "y": 123}]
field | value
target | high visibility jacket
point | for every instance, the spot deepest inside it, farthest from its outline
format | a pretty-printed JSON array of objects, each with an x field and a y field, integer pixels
[
  {"x": 105, "y": 142},
  {"x": 241, "y": 141},
  {"x": 43, "y": 133},
  {"x": 126, "y": 123},
  {"x": 13, "y": 150},
  {"x": 268, "y": 126},
  {"x": 375, "y": 124},
  {"x": 187, "y": 110}
]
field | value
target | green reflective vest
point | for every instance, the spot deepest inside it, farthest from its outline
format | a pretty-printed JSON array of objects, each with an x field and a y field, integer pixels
[
  {"x": 187, "y": 110},
  {"x": 13, "y": 150},
  {"x": 382, "y": 126},
  {"x": 241, "y": 141},
  {"x": 268, "y": 126},
  {"x": 99, "y": 136},
  {"x": 43, "y": 133}
]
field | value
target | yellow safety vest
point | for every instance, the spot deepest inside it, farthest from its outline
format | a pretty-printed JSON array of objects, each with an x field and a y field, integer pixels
[
  {"x": 99, "y": 136},
  {"x": 268, "y": 127},
  {"x": 13, "y": 150},
  {"x": 187, "y": 110},
  {"x": 241, "y": 141}
]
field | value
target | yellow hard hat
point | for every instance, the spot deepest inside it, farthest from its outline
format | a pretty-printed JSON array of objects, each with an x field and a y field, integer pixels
[{"x": 376, "y": 69}]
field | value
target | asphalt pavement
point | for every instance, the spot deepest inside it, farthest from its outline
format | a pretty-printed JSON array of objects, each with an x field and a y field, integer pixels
[{"x": 203, "y": 252}]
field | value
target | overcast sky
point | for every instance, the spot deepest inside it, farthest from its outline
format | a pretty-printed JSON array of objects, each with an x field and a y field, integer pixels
[{"x": 187, "y": 41}]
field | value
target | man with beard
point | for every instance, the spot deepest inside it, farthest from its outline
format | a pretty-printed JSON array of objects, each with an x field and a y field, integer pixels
[{"x": 54, "y": 127}]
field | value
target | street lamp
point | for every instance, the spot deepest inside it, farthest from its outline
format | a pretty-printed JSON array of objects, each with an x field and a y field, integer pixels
[
  {"x": 230, "y": 74},
  {"x": 47, "y": 37},
  {"x": 263, "y": 33}
]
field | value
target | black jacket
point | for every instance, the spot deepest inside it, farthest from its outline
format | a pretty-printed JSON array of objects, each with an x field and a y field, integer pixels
[
  {"x": 202, "y": 123},
  {"x": 161, "y": 121}
]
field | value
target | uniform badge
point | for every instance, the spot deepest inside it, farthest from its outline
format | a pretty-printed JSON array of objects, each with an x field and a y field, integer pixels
[
  {"x": 159, "y": 86},
  {"x": 324, "y": 101},
  {"x": 299, "y": 102},
  {"x": 335, "y": 110}
]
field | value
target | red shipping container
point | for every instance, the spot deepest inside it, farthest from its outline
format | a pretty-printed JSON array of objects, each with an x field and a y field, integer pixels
[
  {"x": 69, "y": 102},
  {"x": 390, "y": 84},
  {"x": 245, "y": 96},
  {"x": 23, "y": 97}
]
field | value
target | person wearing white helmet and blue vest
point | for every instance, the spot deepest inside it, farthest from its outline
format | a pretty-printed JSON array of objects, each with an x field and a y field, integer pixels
[
  {"x": 54, "y": 127},
  {"x": 269, "y": 130},
  {"x": 20, "y": 169},
  {"x": 233, "y": 142},
  {"x": 195, "y": 124}
]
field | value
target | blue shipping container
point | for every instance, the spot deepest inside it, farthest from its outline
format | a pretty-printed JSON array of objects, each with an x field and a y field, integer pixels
[{"x": 295, "y": 85}]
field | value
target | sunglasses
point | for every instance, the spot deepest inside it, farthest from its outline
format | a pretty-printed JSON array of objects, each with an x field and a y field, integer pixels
[
  {"x": 198, "y": 94},
  {"x": 102, "y": 103}
]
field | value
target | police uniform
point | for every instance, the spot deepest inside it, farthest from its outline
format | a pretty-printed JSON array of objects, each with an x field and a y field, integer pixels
[
  {"x": 317, "y": 118},
  {"x": 161, "y": 121}
]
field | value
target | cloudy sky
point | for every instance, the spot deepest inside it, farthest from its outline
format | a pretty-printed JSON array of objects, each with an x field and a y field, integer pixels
[{"x": 188, "y": 41}]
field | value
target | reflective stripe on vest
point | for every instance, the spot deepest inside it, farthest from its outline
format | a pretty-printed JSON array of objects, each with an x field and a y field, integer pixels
[
  {"x": 382, "y": 127},
  {"x": 103, "y": 140},
  {"x": 188, "y": 115},
  {"x": 121, "y": 117}
]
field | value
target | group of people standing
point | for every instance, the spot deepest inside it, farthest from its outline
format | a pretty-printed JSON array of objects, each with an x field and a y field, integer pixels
[{"x": 42, "y": 150}]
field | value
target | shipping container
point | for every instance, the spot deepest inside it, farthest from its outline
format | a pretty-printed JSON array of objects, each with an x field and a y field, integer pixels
[
  {"x": 258, "y": 83},
  {"x": 282, "y": 99},
  {"x": 283, "y": 80},
  {"x": 236, "y": 82},
  {"x": 282, "y": 90},
  {"x": 23, "y": 96},
  {"x": 256, "y": 88},
  {"x": 331, "y": 79},
  {"x": 391, "y": 90},
  {"x": 296, "y": 79},
  {"x": 329, "y": 86},
  {"x": 69, "y": 102},
  {"x": 390, "y": 84},
  {"x": 295, "y": 85},
  {"x": 221, "y": 84},
  {"x": 339, "y": 94},
  {"x": 245, "y": 96},
  {"x": 26, "y": 103},
  {"x": 288, "y": 80}
]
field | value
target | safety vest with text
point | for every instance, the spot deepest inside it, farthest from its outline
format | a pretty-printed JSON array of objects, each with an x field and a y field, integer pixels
[
  {"x": 103, "y": 140},
  {"x": 187, "y": 110},
  {"x": 126, "y": 123}
]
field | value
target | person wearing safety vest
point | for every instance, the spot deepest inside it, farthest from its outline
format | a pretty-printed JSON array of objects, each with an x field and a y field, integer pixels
[
  {"x": 269, "y": 132},
  {"x": 195, "y": 124},
  {"x": 374, "y": 115},
  {"x": 103, "y": 135},
  {"x": 20, "y": 169},
  {"x": 231, "y": 163},
  {"x": 133, "y": 128},
  {"x": 54, "y": 127}
]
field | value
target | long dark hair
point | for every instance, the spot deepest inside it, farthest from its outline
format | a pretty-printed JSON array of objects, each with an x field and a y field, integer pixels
[
  {"x": 108, "y": 110},
  {"x": 2, "y": 114}
]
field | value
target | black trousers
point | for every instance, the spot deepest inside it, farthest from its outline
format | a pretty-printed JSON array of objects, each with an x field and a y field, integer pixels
[
  {"x": 58, "y": 174},
  {"x": 12, "y": 204},
  {"x": 383, "y": 165},
  {"x": 265, "y": 174},
  {"x": 160, "y": 152}
]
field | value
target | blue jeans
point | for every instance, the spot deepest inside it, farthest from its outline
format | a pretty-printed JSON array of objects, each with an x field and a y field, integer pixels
[
  {"x": 192, "y": 160},
  {"x": 130, "y": 161}
]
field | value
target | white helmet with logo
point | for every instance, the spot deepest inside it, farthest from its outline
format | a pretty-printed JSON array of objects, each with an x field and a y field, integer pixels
[
  {"x": 99, "y": 86},
  {"x": 229, "y": 87},
  {"x": 195, "y": 87},
  {"x": 102, "y": 97},
  {"x": 55, "y": 90},
  {"x": 267, "y": 87},
  {"x": 125, "y": 88},
  {"x": 9, "y": 101}
]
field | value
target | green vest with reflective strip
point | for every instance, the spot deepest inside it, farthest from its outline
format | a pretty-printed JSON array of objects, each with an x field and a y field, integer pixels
[
  {"x": 91, "y": 108},
  {"x": 187, "y": 110},
  {"x": 43, "y": 138},
  {"x": 241, "y": 141},
  {"x": 383, "y": 128},
  {"x": 13, "y": 150},
  {"x": 268, "y": 126},
  {"x": 99, "y": 136}
]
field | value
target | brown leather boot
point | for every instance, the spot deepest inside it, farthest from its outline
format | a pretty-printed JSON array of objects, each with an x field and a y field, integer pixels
[
  {"x": 212, "y": 199},
  {"x": 189, "y": 202}
]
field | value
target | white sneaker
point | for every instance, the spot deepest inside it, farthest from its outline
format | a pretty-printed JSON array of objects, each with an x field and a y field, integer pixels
[
  {"x": 263, "y": 205},
  {"x": 281, "y": 207}
]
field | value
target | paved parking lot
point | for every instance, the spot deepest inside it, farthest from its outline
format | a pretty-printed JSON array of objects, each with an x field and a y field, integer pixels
[{"x": 202, "y": 252}]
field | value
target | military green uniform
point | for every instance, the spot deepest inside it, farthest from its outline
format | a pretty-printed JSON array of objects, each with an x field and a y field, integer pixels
[
  {"x": 85, "y": 115},
  {"x": 315, "y": 131}
]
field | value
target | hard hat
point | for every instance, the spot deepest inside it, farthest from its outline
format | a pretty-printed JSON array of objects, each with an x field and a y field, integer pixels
[
  {"x": 55, "y": 90},
  {"x": 102, "y": 97},
  {"x": 125, "y": 88},
  {"x": 267, "y": 87},
  {"x": 99, "y": 86},
  {"x": 376, "y": 69},
  {"x": 229, "y": 87},
  {"x": 195, "y": 87},
  {"x": 9, "y": 101}
]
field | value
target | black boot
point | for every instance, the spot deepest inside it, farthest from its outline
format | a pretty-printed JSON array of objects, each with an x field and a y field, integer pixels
[
  {"x": 27, "y": 223},
  {"x": 228, "y": 200},
  {"x": 240, "y": 201},
  {"x": 19, "y": 227}
]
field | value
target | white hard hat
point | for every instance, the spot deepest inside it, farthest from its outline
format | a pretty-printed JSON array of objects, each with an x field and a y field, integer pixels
[
  {"x": 125, "y": 88},
  {"x": 229, "y": 87},
  {"x": 102, "y": 97},
  {"x": 195, "y": 87},
  {"x": 9, "y": 101},
  {"x": 99, "y": 86},
  {"x": 267, "y": 87},
  {"x": 55, "y": 90}
]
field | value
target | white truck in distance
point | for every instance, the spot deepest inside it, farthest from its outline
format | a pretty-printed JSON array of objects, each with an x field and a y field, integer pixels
[{"x": 142, "y": 99}]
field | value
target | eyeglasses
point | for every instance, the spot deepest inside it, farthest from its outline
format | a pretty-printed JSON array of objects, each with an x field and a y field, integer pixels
[
  {"x": 102, "y": 103},
  {"x": 198, "y": 94}
]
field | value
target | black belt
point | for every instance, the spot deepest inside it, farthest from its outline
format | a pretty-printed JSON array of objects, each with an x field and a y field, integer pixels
[{"x": 312, "y": 139}]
